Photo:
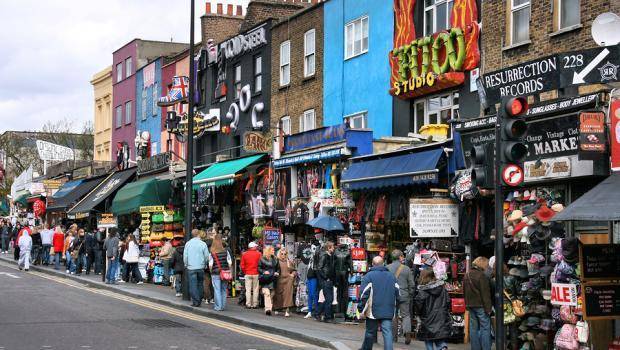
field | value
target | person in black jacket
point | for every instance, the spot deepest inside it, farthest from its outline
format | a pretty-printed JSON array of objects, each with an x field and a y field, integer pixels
[
  {"x": 268, "y": 271},
  {"x": 432, "y": 305},
  {"x": 37, "y": 246},
  {"x": 89, "y": 250},
  {"x": 327, "y": 277},
  {"x": 178, "y": 266},
  {"x": 78, "y": 251},
  {"x": 13, "y": 238}
]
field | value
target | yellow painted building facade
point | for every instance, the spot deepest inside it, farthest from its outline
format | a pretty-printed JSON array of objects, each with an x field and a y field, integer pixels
[{"x": 102, "y": 86}]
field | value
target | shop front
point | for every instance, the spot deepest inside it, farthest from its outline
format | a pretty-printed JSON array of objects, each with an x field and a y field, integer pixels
[{"x": 66, "y": 196}]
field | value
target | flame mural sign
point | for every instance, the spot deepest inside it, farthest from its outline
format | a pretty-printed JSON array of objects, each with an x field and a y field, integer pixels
[{"x": 421, "y": 66}]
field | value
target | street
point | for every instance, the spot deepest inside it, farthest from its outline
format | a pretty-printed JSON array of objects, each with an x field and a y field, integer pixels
[{"x": 38, "y": 311}]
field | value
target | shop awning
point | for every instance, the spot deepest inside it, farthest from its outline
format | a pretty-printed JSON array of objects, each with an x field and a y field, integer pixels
[
  {"x": 598, "y": 204},
  {"x": 401, "y": 170},
  {"x": 106, "y": 188},
  {"x": 71, "y": 192},
  {"x": 146, "y": 192},
  {"x": 223, "y": 173},
  {"x": 21, "y": 197},
  {"x": 4, "y": 208}
]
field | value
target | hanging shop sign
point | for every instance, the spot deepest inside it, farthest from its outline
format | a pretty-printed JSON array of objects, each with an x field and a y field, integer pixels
[
  {"x": 564, "y": 294},
  {"x": 592, "y": 136},
  {"x": 271, "y": 236},
  {"x": 601, "y": 300},
  {"x": 614, "y": 119},
  {"x": 243, "y": 43},
  {"x": 155, "y": 163},
  {"x": 242, "y": 106},
  {"x": 309, "y": 157},
  {"x": 599, "y": 261},
  {"x": 52, "y": 184},
  {"x": 52, "y": 151},
  {"x": 314, "y": 138},
  {"x": 594, "y": 66},
  {"x": 433, "y": 218},
  {"x": 152, "y": 209},
  {"x": 106, "y": 220},
  {"x": 331, "y": 198},
  {"x": 550, "y": 168},
  {"x": 78, "y": 216},
  {"x": 256, "y": 141},
  {"x": 435, "y": 62}
]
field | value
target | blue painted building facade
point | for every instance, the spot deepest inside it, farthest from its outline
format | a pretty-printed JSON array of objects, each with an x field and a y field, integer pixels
[
  {"x": 148, "y": 114},
  {"x": 356, "y": 79}
]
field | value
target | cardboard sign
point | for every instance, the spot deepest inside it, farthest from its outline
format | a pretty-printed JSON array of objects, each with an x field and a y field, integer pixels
[
  {"x": 106, "y": 220},
  {"x": 564, "y": 294},
  {"x": 271, "y": 236},
  {"x": 592, "y": 136}
]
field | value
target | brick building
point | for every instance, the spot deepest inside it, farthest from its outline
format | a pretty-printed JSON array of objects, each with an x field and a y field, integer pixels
[{"x": 297, "y": 71}]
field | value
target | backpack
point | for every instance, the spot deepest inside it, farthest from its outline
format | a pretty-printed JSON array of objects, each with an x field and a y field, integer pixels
[{"x": 565, "y": 338}]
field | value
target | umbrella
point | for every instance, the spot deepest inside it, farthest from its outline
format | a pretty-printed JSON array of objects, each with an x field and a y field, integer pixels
[{"x": 327, "y": 223}]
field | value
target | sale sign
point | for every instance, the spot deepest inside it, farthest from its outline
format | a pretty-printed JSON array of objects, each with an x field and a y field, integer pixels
[
  {"x": 564, "y": 294},
  {"x": 614, "y": 118}
]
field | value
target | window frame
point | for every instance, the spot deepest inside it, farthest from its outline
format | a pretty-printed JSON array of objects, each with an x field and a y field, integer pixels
[
  {"x": 559, "y": 17},
  {"x": 287, "y": 119},
  {"x": 128, "y": 67},
  {"x": 155, "y": 95},
  {"x": 309, "y": 55},
  {"x": 514, "y": 9},
  {"x": 284, "y": 65},
  {"x": 128, "y": 112},
  {"x": 143, "y": 103},
  {"x": 361, "y": 31},
  {"x": 353, "y": 116},
  {"x": 237, "y": 81},
  {"x": 119, "y": 71},
  {"x": 258, "y": 74},
  {"x": 302, "y": 120},
  {"x": 118, "y": 112},
  {"x": 453, "y": 108},
  {"x": 433, "y": 7}
]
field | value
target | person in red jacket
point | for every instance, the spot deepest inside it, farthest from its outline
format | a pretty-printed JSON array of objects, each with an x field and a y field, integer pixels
[
  {"x": 249, "y": 267},
  {"x": 58, "y": 242}
]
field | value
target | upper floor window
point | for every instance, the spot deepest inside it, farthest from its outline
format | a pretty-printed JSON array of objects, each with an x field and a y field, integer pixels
[
  {"x": 520, "y": 21},
  {"x": 143, "y": 112},
  {"x": 285, "y": 63},
  {"x": 307, "y": 121},
  {"x": 437, "y": 15},
  {"x": 356, "y": 37},
  {"x": 155, "y": 94},
  {"x": 358, "y": 120},
  {"x": 286, "y": 125},
  {"x": 127, "y": 67},
  {"x": 569, "y": 13},
  {"x": 237, "y": 81},
  {"x": 119, "y": 116},
  {"x": 258, "y": 74},
  {"x": 435, "y": 110},
  {"x": 309, "y": 53},
  {"x": 119, "y": 72},
  {"x": 128, "y": 112}
]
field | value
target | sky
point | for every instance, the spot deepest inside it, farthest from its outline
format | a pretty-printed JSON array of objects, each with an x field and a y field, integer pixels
[{"x": 50, "y": 49}]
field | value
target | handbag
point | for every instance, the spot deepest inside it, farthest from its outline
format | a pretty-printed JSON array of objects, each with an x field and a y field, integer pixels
[
  {"x": 583, "y": 331},
  {"x": 225, "y": 275},
  {"x": 457, "y": 305},
  {"x": 517, "y": 305},
  {"x": 565, "y": 338}
]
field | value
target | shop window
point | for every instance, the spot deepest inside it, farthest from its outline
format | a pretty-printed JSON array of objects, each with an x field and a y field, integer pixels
[
  {"x": 128, "y": 112},
  {"x": 155, "y": 95},
  {"x": 285, "y": 63},
  {"x": 286, "y": 125},
  {"x": 358, "y": 120},
  {"x": 119, "y": 72},
  {"x": 143, "y": 112},
  {"x": 435, "y": 110},
  {"x": 258, "y": 74},
  {"x": 154, "y": 148},
  {"x": 119, "y": 116},
  {"x": 237, "y": 81},
  {"x": 309, "y": 53},
  {"x": 568, "y": 14},
  {"x": 437, "y": 15},
  {"x": 127, "y": 67},
  {"x": 356, "y": 37},
  {"x": 307, "y": 121},
  {"x": 519, "y": 21}
]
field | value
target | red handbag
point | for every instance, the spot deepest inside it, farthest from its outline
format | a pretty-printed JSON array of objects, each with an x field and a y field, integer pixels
[
  {"x": 225, "y": 275},
  {"x": 457, "y": 305}
]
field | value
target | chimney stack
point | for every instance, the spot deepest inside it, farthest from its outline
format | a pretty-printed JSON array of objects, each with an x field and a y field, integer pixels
[
  {"x": 220, "y": 9},
  {"x": 208, "y": 9},
  {"x": 239, "y": 11},
  {"x": 229, "y": 9}
]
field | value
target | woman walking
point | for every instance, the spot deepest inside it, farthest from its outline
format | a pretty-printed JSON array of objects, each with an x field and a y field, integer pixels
[
  {"x": 268, "y": 267},
  {"x": 58, "y": 242},
  {"x": 477, "y": 294},
  {"x": 219, "y": 260},
  {"x": 285, "y": 284},
  {"x": 131, "y": 258},
  {"x": 432, "y": 305},
  {"x": 67, "y": 250}
]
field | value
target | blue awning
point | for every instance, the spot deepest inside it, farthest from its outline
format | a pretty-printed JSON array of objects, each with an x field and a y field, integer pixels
[
  {"x": 402, "y": 170},
  {"x": 66, "y": 189}
]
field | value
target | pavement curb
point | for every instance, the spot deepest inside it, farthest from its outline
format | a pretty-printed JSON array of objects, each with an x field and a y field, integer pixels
[{"x": 202, "y": 312}]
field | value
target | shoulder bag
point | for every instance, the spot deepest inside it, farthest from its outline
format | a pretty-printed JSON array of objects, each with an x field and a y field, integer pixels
[
  {"x": 517, "y": 305},
  {"x": 225, "y": 275}
]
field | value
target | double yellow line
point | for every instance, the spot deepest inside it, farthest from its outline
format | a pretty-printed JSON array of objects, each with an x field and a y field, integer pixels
[{"x": 175, "y": 312}]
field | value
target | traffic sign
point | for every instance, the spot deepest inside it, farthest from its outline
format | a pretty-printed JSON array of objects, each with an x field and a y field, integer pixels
[
  {"x": 512, "y": 175},
  {"x": 593, "y": 66}
]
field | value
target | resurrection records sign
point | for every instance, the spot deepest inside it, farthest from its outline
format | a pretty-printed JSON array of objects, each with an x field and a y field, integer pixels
[
  {"x": 433, "y": 218},
  {"x": 592, "y": 137}
]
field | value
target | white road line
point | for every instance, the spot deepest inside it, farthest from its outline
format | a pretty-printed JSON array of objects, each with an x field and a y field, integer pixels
[{"x": 9, "y": 275}]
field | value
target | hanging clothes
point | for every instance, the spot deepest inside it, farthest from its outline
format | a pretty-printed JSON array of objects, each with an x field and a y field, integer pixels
[
  {"x": 380, "y": 210},
  {"x": 328, "y": 178}
]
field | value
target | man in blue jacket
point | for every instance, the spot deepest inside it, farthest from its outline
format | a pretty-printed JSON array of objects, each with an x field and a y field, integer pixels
[
  {"x": 195, "y": 257},
  {"x": 380, "y": 295}
]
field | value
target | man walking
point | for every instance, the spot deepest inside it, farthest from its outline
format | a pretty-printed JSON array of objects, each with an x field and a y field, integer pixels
[
  {"x": 327, "y": 276},
  {"x": 110, "y": 246},
  {"x": 165, "y": 254},
  {"x": 195, "y": 258},
  {"x": 406, "y": 284},
  {"x": 249, "y": 267},
  {"x": 25, "y": 245},
  {"x": 380, "y": 295},
  {"x": 46, "y": 239},
  {"x": 89, "y": 246},
  {"x": 98, "y": 251}
]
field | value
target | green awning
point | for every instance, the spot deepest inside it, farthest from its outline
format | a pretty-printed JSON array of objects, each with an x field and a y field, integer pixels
[
  {"x": 223, "y": 173},
  {"x": 4, "y": 208},
  {"x": 146, "y": 192},
  {"x": 21, "y": 197}
]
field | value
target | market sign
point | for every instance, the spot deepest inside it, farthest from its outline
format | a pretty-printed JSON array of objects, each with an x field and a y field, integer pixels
[
  {"x": 435, "y": 62},
  {"x": 564, "y": 294},
  {"x": 429, "y": 218},
  {"x": 550, "y": 168},
  {"x": 592, "y": 136},
  {"x": 331, "y": 198},
  {"x": 152, "y": 209},
  {"x": 316, "y": 137},
  {"x": 106, "y": 220},
  {"x": 52, "y": 184},
  {"x": 256, "y": 141},
  {"x": 52, "y": 151},
  {"x": 155, "y": 163},
  {"x": 594, "y": 66},
  {"x": 309, "y": 157}
]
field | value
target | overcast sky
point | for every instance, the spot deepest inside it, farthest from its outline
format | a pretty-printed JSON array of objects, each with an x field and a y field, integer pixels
[{"x": 50, "y": 50}]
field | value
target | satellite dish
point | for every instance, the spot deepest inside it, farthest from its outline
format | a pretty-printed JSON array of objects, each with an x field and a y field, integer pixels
[{"x": 606, "y": 29}]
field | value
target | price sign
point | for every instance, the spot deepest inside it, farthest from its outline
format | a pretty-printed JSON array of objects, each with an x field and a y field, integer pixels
[
  {"x": 601, "y": 301},
  {"x": 512, "y": 175},
  {"x": 564, "y": 294},
  {"x": 600, "y": 261}
]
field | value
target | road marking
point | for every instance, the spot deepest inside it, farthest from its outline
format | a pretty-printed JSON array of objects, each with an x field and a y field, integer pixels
[
  {"x": 9, "y": 274},
  {"x": 175, "y": 312}
]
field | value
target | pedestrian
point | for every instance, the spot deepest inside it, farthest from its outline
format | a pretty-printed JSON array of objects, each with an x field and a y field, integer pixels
[
  {"x": 478, "y": 301},
  {"x": 5, "y": 232},
  {"x": 17, "y": 228},
  {"x": 432, "y": 305},
  {"x": 165, "y": 254},
  {"x": 327, "y": 276},
  {"x": 195, "y": 257},
  {"x": 98, "y": 251},
  {"x": 67, "y": 250},
  {"x": 177, "y": 265},
  {"x": 313, "y": 283},
  {"x": 78, "y": 253},
  {"x": 268, "y": 272},
  {"x": 219, "y": 261},
  {"x": 47, "y": 235},
  {"x": 110, "y": 246},
  {"x": 89, "y": 251},
  {"x": 58, "y": 241},
  {"x": 37, "y": 246},
  {"x": 406, "y": 284},
  {"x": 207, "y": 284},
  {"x": 131, "y": 258},
  {"x": 285, "y": 284},
  {"x": 249, "y": 267},
  {"x": 25, "y": 245},
  {"x": 378, "y": 301}
]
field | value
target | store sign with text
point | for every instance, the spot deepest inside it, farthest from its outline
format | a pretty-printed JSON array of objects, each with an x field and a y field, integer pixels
[
  {"x": 614, "y": 119},
  {"x": 157, "y": 162},
  {"x": 592, "y": 136},
  {"x": 430, "y": 218},
  {"x": 106, "y": 220},
  {"x": 331, "y": 198},
  {"x": 551, "y": 168},
  {"x": 256, "y": 141},
  {"x": 564, "y": 294}
]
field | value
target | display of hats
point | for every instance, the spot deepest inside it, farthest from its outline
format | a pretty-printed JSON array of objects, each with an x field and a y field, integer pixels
[
  {"x": 557, "y": 207},
  {"x": 169, "y": 216},
  {"x": 536, "y": 258},
  {"x": 544, "y": 214},
  {"x": 546, "y": 324},
  {"x": 510, "y": 197},
  {"x": 541, "y": 232},
  {"x": 515, "y": 215},
  {"x": 168, "y": 235},
  {"x": 177, "y": 226},
  {"x": 533, "y": 321},
  {"x": 557, "y": 229},
  {"x": 169, "y": 227},
  {"x": 523, "y": 327},
  {"x": 546, "y": 294},
  {"x": 546, "y": 270},
  {"x": 157, "y": 218},
  {"x": 530, "y": 209},
  {"x": 158, "y": 228},
  {"x": 570, "y": 249},
  {"x": 518, "y": 272},
  {"x": 178, "y": 234},
  {"x": 541, "y": 342},
  {"x": 526, "y": 195},
  {"x": 518, "y": 227},
  {"x": 156, "y": 244}
]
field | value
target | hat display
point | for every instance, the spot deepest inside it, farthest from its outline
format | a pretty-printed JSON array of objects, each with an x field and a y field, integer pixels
[
  {"x": 530, "y": 208},
  {"x": 570, "y": 249},
  {"x": 533, "y": 321},
  {"x": 546, "y": 270},
  {"x": 515, "y": 215},
  {"x": 536, "y": 258},
  {"x": 517, "y": 272},
  {"x": 518, "y": 227},
  {"x": 557, "y": 207},
  {"x": 544, "y": 214}
]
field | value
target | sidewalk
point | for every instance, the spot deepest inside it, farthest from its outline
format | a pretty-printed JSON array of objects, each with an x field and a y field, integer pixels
[{"x": 334, "y": 336}]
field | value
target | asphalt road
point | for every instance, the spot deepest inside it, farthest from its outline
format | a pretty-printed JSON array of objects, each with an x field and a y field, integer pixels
[{"x": 41, "y": 312}]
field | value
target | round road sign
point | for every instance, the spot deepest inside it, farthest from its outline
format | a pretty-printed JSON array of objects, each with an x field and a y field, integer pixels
[{"x": 512, "y": 175}]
